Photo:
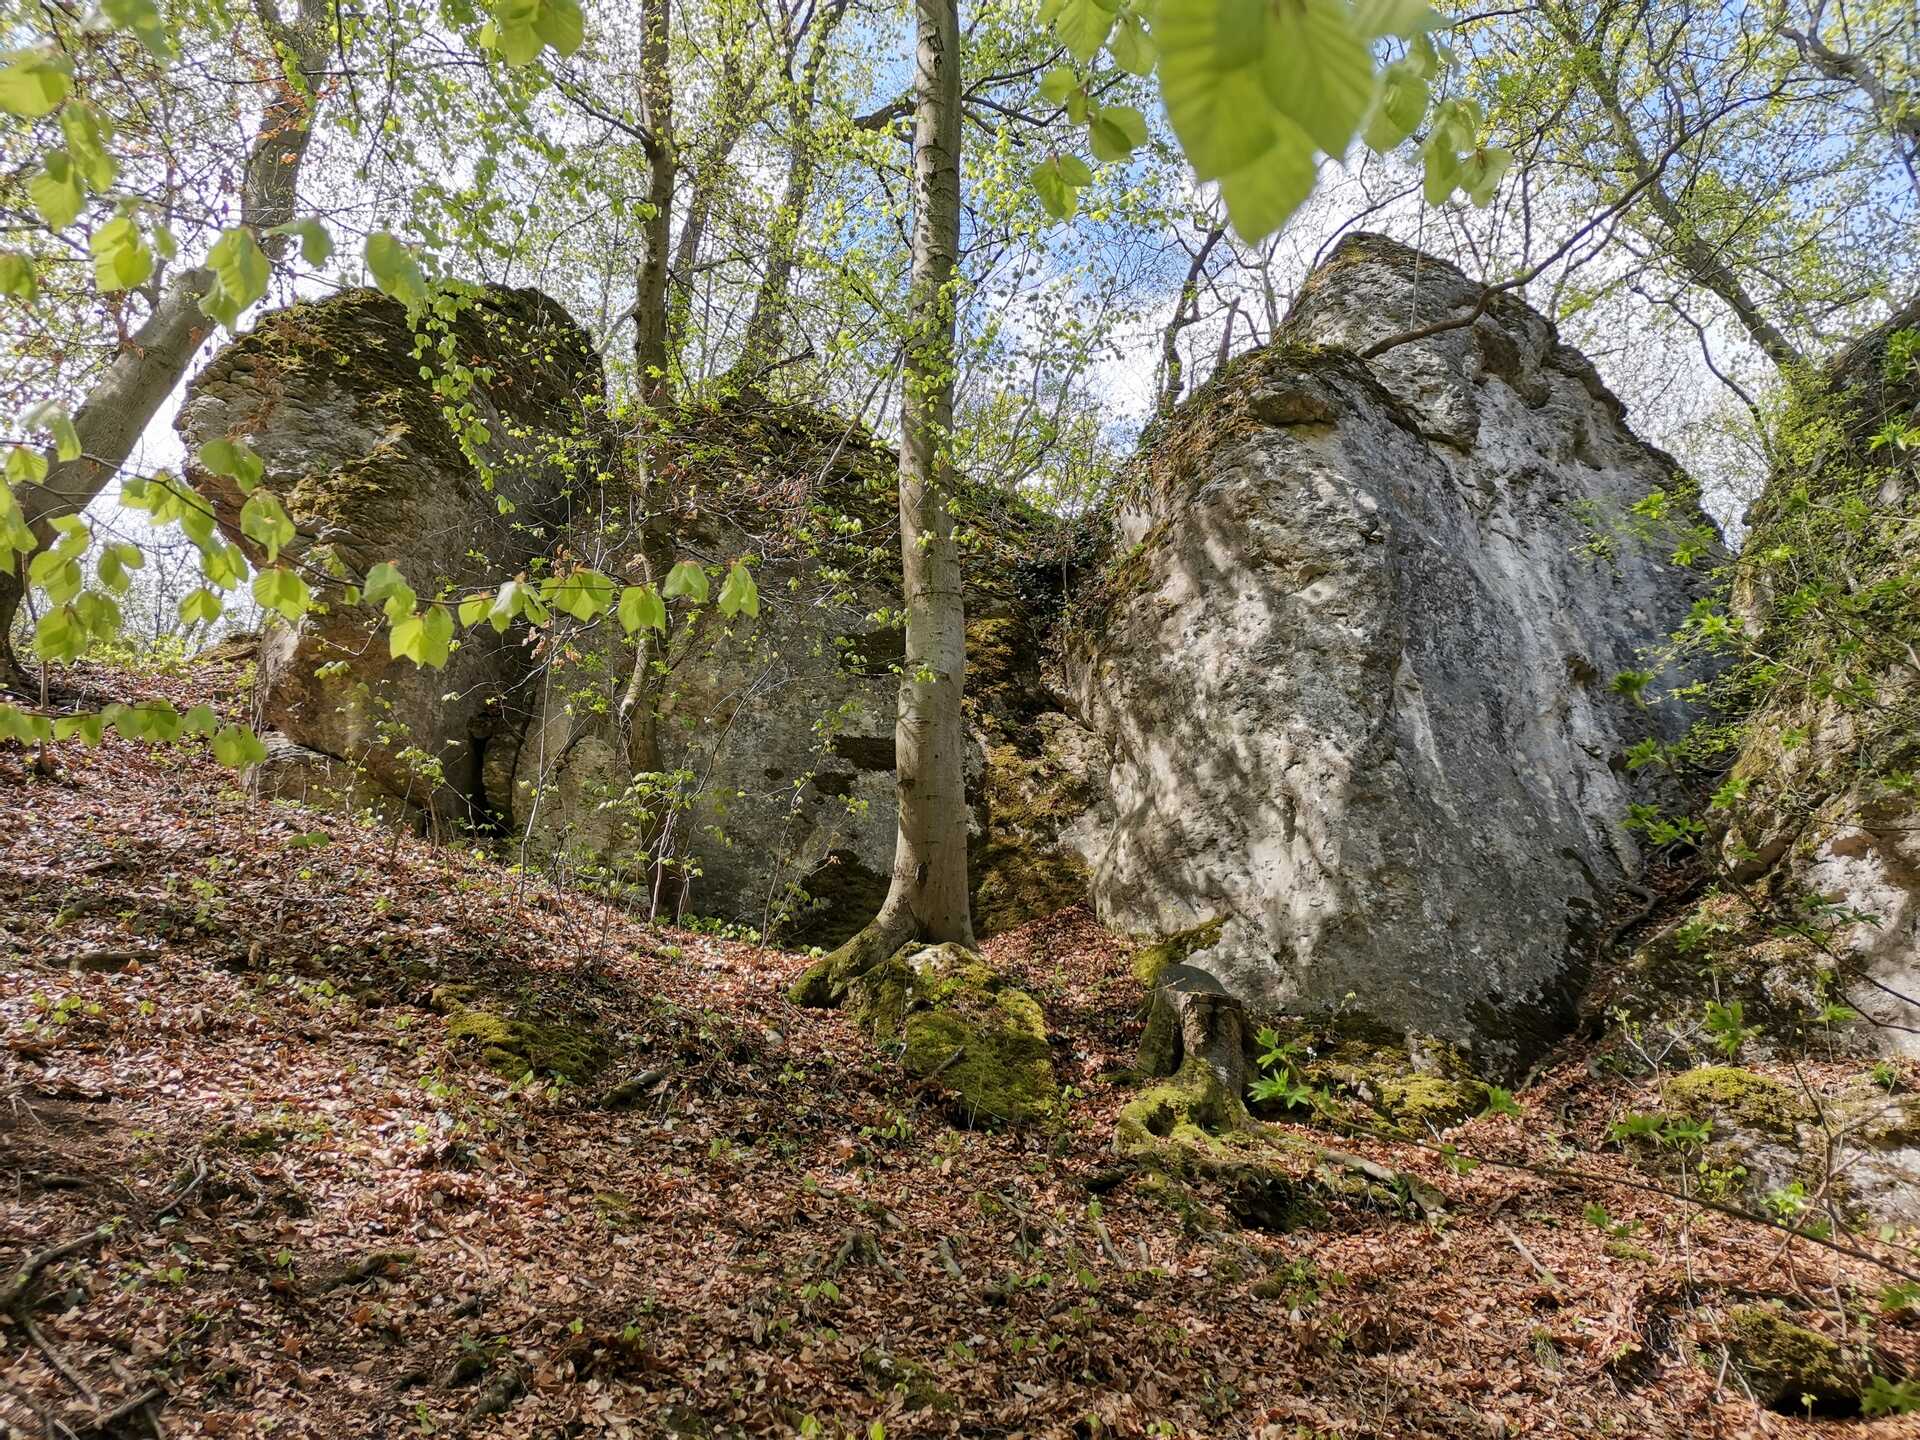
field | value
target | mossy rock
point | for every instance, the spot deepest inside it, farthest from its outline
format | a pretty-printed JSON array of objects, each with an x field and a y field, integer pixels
[
  {"x": 1727, "y": 1092},
  {"x": 513, "y": 1046},
  {"x": 1151, "y": 959},
  {"x": 1371, "y": 1064},
  {"x": 1792, "y": 1368},
  {"x": 1424, "y": 1100},
  {"x": 1190, "y": 1125},
  {"x": 960, "y": 1022}
]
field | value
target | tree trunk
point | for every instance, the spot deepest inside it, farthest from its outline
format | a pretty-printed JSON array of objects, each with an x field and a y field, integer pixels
[
  {"x": 927, "y": 898},
  {"x": 759, "y": 348},
  {"x": 139, "y": 379},
  {"x": 651, "y": 341},
  {"x": 1701, "y": 260}
]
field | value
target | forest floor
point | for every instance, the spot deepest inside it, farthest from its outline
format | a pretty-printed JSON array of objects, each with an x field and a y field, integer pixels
[{"x": 304, "y": 1206}]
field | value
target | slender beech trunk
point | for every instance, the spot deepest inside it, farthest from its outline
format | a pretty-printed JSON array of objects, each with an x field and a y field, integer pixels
[
  {"x": 927, "y": 899},
  {"x": 155, "y": 358},
  {"x": 760, "y": 346},
  {"x": 651, "y": 343},
  {"x": 1701, "y": 260},
  {"x": 653, "y": 366}
]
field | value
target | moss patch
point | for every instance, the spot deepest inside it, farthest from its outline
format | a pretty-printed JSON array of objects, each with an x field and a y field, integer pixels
[
  {"x": 514, "y": 1045},
  {"x": 959, "y": 1022},
  {"x": 1730, "y": 1093},
  {"x": 1791, "y": 1367},
  {"x": 1190, "y": 1125},
  {"x": 1150, "y": 960}
]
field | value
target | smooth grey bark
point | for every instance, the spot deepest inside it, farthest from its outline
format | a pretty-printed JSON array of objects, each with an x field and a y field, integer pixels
[
  {"x": 927, "y": 897},
  {"x": 147, "y": 369}
]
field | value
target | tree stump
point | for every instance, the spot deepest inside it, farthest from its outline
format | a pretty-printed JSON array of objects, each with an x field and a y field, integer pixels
[{"x": 1191, "y": 1014}]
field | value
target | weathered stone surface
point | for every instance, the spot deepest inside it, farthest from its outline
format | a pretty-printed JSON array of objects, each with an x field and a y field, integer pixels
[
  {"x": 329, "y": 394},
  {"x": 775, "y": 734},
  {"x": 1351, "y": 661},
  {"x": 763, "y": 791},
  {"x": 1828, "y": 813}
]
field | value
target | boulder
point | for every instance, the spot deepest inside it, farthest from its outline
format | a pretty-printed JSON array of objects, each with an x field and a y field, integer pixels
[
  {"x": 329, "y": 394},
  {"x": 1351, "y": 657},
  {"x": 754, "y": 781}
]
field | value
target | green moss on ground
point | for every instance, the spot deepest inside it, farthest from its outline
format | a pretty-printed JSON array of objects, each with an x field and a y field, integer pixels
[
  {"x": 1730, "y": 1093},
  {"x": 1792, "y": 1368},
  {"x": 516, "y": 1045},
  {"x": 956, "y": 1020}
]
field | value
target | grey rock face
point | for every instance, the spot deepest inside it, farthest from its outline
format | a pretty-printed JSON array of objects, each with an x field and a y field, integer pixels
[
  {"x": 329, "y": 395},
  {"x": 1352, "y": 663}
]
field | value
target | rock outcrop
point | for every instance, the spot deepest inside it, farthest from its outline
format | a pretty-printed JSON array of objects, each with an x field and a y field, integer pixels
[
  {"x": 748, "y": 773},
  {"x": 329, "y": 394},
  {"x": 1351, "y": 662}
]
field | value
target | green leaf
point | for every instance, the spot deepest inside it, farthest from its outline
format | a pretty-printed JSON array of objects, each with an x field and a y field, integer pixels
[
  {"x": 316, "y": 245},
  {"x": 560, "y": 25},
  {"x": 202, "y": 607},
  {"x": 116, "y": 559},
  {"x": 56, "y": 190},
  {"x": 1318, "y": 72},
  {"x": 240, "y": 265},
  {"x": 1261, "y": 197},
  {"x": 583, "y": 594},
  {"x": 1210, "y": 82},
  {"x": 234, "y": 459},
  {"x": 283, "y": 592},
  {"x": 237, "y": 747},
  {"x": 17, "y": 276},
  {"x": 32, "y": 87},
  {"x": 642, "y": 608},
  {"x": 1403, "y": 18},
  {"x": 395, "y": 270},
  {"x": 87, "y": 144},
  {"x": 264, "y": 520},
  {"x": 426, "y": 637},
  {"x": 25, "y": 466},
  {"x": 121, "y": 259},
  {"x": 686, "y": 579},
  {"x": 1117, "y": 131},
  {"x": 512, "y": 600},
  {"x": 1057, "y": 197},
  {"x": 385, "y": 580},
  {"x": 1058, "y": 83},
  {"x": 1133, "y": 49},
  {"x": 1481, "y": 174},
  {"x": 1082, "y": 26},
  {"x": 1398, "y": 111},
  {"x": 142, "y": 18},
  {"x": 738, "y": 594},
  {"x": 59, "y": 638}
]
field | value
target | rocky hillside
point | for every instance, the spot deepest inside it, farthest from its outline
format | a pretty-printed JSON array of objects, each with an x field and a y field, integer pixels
[
  {"x": 1338, "y": 705},
  {"x": 313, "y": 1121}
]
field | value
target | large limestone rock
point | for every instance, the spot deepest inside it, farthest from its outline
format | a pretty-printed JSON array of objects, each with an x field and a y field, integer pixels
[
  {"x": 763, "y": 792},
  {"x": 1351, "y": 664},
  {"x": 330, "y": 395},
  {"x": 753, "y": 781}
]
